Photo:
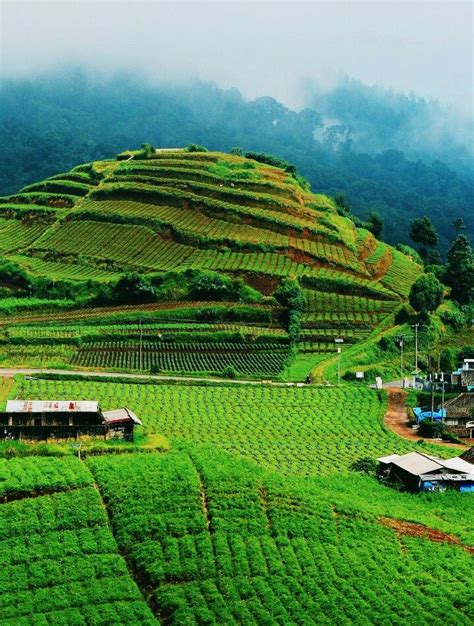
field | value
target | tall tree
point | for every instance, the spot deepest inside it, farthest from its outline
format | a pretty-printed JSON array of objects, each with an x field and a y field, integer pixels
[
  {"x": 426, "y": 294},
  {"x": 460, "y": 270},
  {"x": 424, "y": 233},
  {"x": 375, "y": 224}
]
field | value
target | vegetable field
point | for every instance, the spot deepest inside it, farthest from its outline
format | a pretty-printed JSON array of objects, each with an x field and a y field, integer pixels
[
  {"x": 307, "y": 430},
  {"x": 59, "y": 562},
  {"x": 264, "y": 359},
  {"x": 220, "y": 541}
]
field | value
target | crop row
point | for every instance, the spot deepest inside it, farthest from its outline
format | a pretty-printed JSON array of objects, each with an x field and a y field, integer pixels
[
  {"x": 135, "y": 245},
  {"x": 215, "y": 191},
  {"x": 15, "y": 234},
  {"x": 197, "y": 358},
  {"x": 169, "y": 196},
  {"x": 23, "y": 476},
  {"x": 63, "y": 271},
  {"x": 192, "y": 221},
  {"x": 401, "y": 274},
  {"x": 236, "y": 179},
  {"x": 326, "y": 301},
  {"x": 135, "y": 329}
]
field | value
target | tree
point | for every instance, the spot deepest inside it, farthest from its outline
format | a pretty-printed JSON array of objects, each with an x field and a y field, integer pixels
[
  {"x": 342, "y": 204},
  {"x": 426, "y": 294},
  {"x": 132, "y": 288},
  {"x": 375, "y": 224},
  {"x": 424, "y": 233},
  {"x": 290, "y": 295},
  {"x": 459, "y": 224},
  {"x": 460, "y": 270}
]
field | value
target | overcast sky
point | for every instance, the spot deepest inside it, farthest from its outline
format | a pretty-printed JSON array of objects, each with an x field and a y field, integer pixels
[{"x": 263, "y": 48}]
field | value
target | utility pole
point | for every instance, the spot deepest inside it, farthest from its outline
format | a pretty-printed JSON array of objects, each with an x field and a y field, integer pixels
[
  {"x": 415, "y": 326},
  {"x": 430, "y": 365},
  {"x": 338, "y": 340},
  {"x": 400, "y": 341},
  {"x": 141, "y": 345},
  {"x": 442, "y": 395}
]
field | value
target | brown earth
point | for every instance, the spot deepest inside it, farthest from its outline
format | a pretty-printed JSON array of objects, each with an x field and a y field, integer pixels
[{"x": 419, "y": 530}]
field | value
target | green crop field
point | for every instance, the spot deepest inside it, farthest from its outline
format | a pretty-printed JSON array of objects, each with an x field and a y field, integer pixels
[
  {"x": 255, "y": 515},
  {"x": 59, "y": 561},
  {"x": 169, "y": 218},
  {"x": 302, "y": 430}
]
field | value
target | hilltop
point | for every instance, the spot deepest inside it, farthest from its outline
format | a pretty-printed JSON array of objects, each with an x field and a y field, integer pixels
[{"x": 189, "y": 261}]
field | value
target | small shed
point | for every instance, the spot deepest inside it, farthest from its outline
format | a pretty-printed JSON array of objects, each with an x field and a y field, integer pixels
[
  {"x": 121, "y": 422},
  {"x": 460, "y": 415},
  {"x": 423, "y": 472}
]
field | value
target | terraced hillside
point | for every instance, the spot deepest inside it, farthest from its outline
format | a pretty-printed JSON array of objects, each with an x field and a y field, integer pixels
[{"x": 189, "y": 213}]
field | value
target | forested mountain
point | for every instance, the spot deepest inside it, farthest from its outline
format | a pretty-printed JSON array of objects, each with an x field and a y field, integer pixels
[{"x": 51, "y": 123}]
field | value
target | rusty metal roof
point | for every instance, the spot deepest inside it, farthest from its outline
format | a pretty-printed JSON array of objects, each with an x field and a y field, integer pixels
[
  {"x": 52, "y": 406},
  {"x": 121, "y": 415}
]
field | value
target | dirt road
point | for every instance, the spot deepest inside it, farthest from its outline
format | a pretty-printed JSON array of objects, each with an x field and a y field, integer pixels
[{"x": 396, "y": 419}]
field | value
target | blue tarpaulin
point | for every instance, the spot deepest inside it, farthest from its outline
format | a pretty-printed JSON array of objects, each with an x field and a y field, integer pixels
[{"x": 423, "y": 414}]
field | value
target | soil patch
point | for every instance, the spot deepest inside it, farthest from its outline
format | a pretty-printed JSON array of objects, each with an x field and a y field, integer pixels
[{"x": 419, "y": 530}]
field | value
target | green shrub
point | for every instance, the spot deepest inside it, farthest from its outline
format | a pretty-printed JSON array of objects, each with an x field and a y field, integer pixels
[{"x": 194, "y": 147}]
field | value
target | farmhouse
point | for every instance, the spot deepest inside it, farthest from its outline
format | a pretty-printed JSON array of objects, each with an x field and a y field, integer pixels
[
  {"x": 423, "y": 472},
  {"x": 460, "y": 415},
  {"x": 64, "y": 419}
]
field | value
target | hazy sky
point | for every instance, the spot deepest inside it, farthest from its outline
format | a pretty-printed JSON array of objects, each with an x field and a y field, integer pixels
[{"x": 263, "y": 48}]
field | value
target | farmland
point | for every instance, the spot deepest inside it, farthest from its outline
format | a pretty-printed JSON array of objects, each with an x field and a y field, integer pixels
[
  {"x": 308, "y": 430},
  {"x": 254, "y": 516},
  {"x": 59, "y": 561},
  {"x": 220, "y": 541},
  {"x": 169, "y": 219}
]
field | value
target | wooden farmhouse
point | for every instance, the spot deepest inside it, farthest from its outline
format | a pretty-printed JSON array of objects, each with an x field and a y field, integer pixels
[
  {"x": 43, "y": 420},
  {"x": 423, "y": 472},
  {"x": 460, "y": 415}
]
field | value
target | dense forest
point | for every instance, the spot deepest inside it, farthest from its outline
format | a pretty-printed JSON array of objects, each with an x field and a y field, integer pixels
[{"x": 358, "y": 141}]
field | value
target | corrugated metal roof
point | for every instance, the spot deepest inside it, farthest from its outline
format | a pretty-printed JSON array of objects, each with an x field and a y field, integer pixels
[
  {"x": 52, "y": 406},
  {"x": 121, "y": 415},
  {"x": 388, "y": 459},
  {"x": 416, "y": 463},
  {"x": 459, "y": 465}
]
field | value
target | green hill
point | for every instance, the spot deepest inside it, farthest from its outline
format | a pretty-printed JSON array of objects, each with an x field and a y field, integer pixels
[{"x": 212, "y": 237}]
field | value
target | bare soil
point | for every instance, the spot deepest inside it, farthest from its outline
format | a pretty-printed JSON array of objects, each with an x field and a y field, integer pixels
[{"x": 419, "y": 530}]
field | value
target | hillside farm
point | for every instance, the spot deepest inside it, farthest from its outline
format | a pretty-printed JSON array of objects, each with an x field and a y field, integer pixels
[{"x": 171, "y": 218}]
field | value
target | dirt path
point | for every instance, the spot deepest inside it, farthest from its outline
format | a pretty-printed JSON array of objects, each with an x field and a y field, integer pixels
[{"x": 396, "y": 419}]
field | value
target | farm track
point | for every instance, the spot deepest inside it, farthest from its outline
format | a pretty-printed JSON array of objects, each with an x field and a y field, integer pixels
[
  {"x": 396, "y": 419},
  {"x": 9, "y": 372}
]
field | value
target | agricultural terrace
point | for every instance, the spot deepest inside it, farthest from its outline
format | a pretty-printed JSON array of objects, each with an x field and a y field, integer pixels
[
  {"x": 308, "y": 431},
  {"x": 218, "y": 540},
  {"x": 197, "y": 212}
]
